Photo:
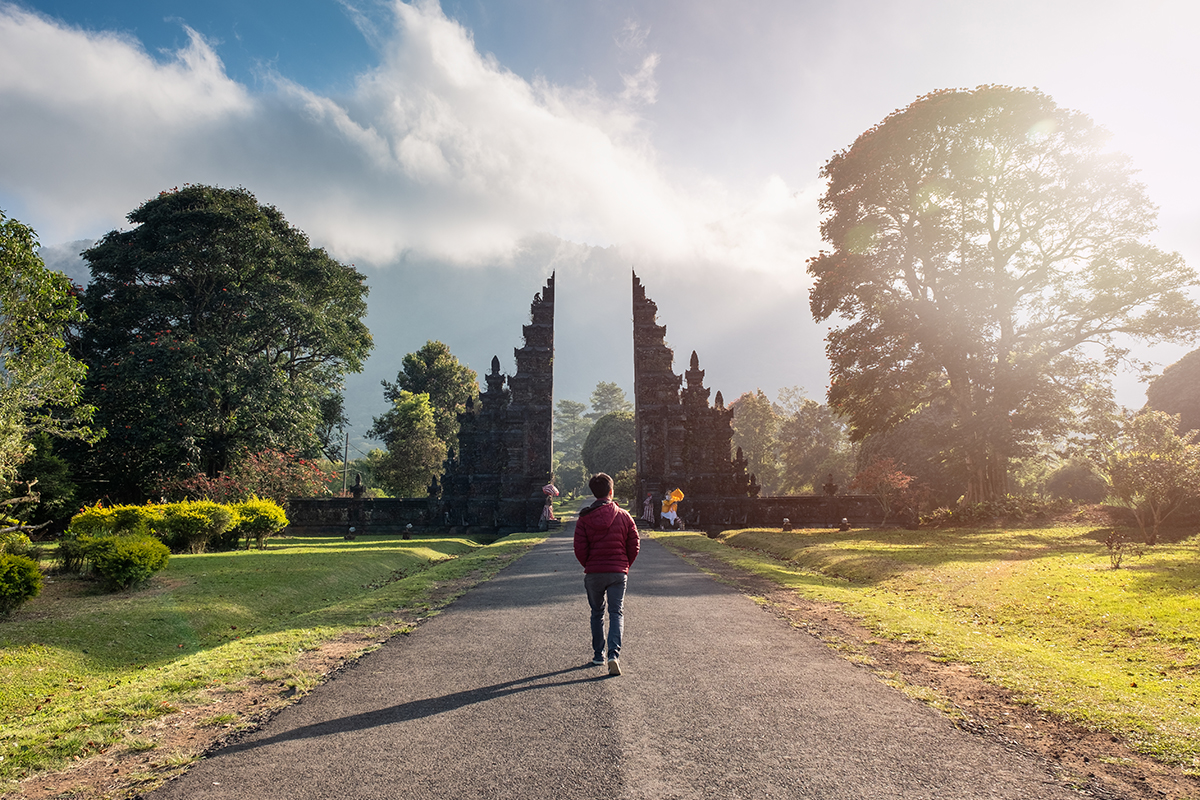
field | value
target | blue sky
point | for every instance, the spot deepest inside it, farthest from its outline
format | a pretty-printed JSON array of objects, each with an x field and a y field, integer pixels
[{"x": 457, "y": 153}]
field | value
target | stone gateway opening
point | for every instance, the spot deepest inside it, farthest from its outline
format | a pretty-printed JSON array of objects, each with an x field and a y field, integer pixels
[{"x": 493, "y": 483}]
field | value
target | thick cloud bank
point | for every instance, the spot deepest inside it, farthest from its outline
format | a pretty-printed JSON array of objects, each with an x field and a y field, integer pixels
[{"x": 438, "y": 152}]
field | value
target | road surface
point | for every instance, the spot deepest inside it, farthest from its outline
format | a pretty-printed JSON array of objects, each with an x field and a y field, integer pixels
[{"x": 493, "y": 699}]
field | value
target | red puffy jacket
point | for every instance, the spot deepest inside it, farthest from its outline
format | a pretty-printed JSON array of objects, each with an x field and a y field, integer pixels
[{"x": 606, "y": 539}]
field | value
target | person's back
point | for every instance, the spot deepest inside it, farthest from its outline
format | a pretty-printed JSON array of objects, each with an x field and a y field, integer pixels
[
  {"x": 606, "y": 538},
  {"x": 606, "y": 545}
]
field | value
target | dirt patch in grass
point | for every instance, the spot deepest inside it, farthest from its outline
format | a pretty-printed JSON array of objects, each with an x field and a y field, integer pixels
[
  {"x": 1099, "y": 764},
  {"x": 164, "y": 747}
]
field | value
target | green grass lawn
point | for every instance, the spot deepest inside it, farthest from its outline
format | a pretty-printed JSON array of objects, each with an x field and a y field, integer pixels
[
  {"x": 80, "y": 669},
  {"x": 1040, "y": 611}
]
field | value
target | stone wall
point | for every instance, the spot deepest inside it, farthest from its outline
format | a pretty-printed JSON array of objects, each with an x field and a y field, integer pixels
[{"x": 308, "y": 516}]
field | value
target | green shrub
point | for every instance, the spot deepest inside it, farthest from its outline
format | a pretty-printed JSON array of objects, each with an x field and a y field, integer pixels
[
  {"x": 183, "y": 528},
  {"x": 18, "y": 544},
  {"x": 20, "y": 580},
  {"x": 1008, "y": 510},
  {"x": 101, "y": 521},
  {"x": 221, "y": 535},
  {"x": 72, "y": 552},
  {"x": 258, "y": 519},
  {"x": 125, "y": 561}
]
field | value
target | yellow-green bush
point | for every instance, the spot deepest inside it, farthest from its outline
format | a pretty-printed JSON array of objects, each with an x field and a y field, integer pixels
[{"x": 258, "y": 519}]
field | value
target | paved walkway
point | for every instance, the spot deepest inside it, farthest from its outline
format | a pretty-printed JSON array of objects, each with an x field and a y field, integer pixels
[{"x": 491, "y": 699}]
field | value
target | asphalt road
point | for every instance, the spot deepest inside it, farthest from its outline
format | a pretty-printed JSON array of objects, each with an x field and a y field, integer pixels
[{"x": 492, "y": 699}]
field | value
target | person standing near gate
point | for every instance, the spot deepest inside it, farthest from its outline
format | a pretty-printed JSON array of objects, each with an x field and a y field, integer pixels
[{"x": 606, "y": 544}]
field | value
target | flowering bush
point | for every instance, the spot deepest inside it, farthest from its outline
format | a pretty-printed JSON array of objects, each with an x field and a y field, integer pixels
[{"x": 271, "y": 474}]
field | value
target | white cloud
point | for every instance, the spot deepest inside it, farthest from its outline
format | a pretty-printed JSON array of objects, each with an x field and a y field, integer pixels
[{"x": 438, "y": 151}]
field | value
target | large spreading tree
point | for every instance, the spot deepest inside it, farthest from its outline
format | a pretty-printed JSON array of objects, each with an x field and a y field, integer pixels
[
  {"x": 989, "y": 254},
  {"x": 213, "y": 329}
]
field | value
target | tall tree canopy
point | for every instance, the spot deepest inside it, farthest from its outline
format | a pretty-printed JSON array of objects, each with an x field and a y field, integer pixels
[
  {"x": 988, "y": 251},
  {"x": 435, "y": 371},
  {"x": 813, "y": 445},
  {"x": 1177, "y": 391},
  {"x": 755, "y": 425},
  {"x": 415, "y": 451},
  {"x": 571, "y": 428},
  {"x": 40, "y": 382},
  {"x": 213, "y": 327},
  {"x": 608, "y": 397},
  {"x": 611, "y": 445}
]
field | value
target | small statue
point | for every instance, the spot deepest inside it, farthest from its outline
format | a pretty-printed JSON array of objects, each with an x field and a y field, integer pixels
[
  {"x": 845, "y": 526},
  {"x": 787, "y": 525}
]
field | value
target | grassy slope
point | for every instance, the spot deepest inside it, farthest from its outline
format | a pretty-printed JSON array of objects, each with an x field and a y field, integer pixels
[
  {"x": 1039, "y": 611},
  {"x": 79, "y": 669}
]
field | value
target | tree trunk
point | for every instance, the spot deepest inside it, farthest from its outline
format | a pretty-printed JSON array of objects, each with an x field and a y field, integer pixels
[{"x": 987, "y": 479}]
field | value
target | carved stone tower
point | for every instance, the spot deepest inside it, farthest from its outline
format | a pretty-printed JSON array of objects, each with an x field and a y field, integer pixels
[
  {"x": 506, "y": 439},
  {"x": 529, "y": 433},
  {"x": 682, "y": 441}
]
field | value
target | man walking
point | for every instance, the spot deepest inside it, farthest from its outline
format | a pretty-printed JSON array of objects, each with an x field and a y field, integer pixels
[{"x": 606, "y": 544}]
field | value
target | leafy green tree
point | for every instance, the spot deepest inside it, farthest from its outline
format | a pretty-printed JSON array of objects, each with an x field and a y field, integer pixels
[
  {"x": 606, "y": 398},
  {"x": 988, "y": 253},
  {"x": 435, "y": 371},
  {"x": 1154, "y": 469},
  {"x": 415, "y": 451},
  {"x": 755, "y": 425},
  {"x": 213, "y": 328},
  {"x": 611, "y": 445},
  {"x": 813, "y": 445},
  {"x": 40, "y": 381},
  {"x": 1077, "y": 480},
  {"x": 50, "y": 475},
  {"x": 1177, "y": 391},
  {"x": 571, "y": 428}
]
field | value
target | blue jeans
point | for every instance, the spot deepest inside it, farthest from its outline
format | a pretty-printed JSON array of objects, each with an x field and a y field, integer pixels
[{"x": 611, "y": 586}]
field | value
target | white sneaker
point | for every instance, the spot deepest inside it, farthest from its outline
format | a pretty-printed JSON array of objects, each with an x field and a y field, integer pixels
[{"x": 614, "y": 667}]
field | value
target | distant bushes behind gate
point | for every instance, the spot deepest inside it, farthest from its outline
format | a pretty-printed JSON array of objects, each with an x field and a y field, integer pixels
[{"x": 127, "y": 544}]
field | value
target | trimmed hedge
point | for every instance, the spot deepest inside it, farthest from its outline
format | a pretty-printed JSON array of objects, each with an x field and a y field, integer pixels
[
  {"x": 258, "y": 519},
  {"x": 126, "y": 561},
  {"x": 20, "y": 580},
  {"x": 185, "y": 527}
]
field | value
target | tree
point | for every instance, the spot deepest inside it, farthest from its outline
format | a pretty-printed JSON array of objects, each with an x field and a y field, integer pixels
[
  {"x": 754, "y": 427},
  {"x": 213, "y": 328},
  {"x": 607, "y": 398},
  {"x": 1177, "y": 391},
  {"x": 884, "y": 479},
  {"x": 415, "y": 451},
  {"x": 611, "y": 445},
  {"x": 434, "y": 371},
  {"x": 988, "y": 253},
  {"x": 923, "y": 445},
  {"x": 571, "y": 428},
  {"x": 1154, "y": 469},
  {"x": 813, "y": 445},
  {"x": 40, "y": 381}
]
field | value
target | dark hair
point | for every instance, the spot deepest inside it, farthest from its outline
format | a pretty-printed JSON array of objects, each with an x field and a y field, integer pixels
[{"x": 601, "y": 485}]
